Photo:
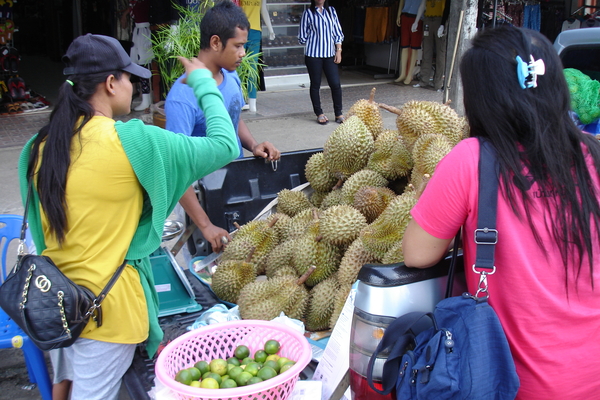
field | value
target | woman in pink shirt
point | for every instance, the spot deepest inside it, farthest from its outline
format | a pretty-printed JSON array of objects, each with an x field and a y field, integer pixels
[{"x": 546, "y": 288}]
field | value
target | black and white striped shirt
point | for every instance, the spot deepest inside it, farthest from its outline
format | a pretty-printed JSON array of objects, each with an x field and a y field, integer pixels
[{"x": 320, "y": 31}]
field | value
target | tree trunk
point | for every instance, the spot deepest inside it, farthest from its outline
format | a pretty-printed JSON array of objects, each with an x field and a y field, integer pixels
[{"x": 462, "y": 26}]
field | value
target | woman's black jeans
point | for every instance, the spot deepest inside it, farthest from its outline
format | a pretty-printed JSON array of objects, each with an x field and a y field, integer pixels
[{"x": 316, "y": 66}]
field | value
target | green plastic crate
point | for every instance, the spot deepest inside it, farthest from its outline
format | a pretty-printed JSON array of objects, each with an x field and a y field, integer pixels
[{"x": 175, "y": 293}]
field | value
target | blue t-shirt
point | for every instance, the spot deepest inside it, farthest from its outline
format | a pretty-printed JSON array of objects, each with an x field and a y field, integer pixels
[{"x": 185, "y": 116}]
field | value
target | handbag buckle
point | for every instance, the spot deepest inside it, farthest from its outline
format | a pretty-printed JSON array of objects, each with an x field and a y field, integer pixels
[
  {"x": 486, "y": 236},
  {"x": 482, "y": 286}
]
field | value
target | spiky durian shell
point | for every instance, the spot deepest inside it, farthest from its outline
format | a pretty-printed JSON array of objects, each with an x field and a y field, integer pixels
[
  {"x": 281, "y": 225},
  {"x": 291, "y": 202},
  {"x": 280, "y": 257},
  {"x": 369, "y": 113},
  {"x": 250, "y": 229},
  {"x": 372, "y": 200},
  {"x": 394, "y": 254},
  {"x": 230, "y": 277},
  {"x": 353, "y": 260},
  {"x": 256, "y": 301},
  {"x": 348, "y": 148},
  {"x": 340, "y": 225},
  {"x": 445, "y": 120},
  {"x": 283, "y": 271},
  {"x": 320, "y": 178},
  {"x": 333, "y": 198},
  {"x": 321, "y": 304},
  {"x": 311, "y": 250},
  {"x": 316, "y": 198},
  {"x": 299, "y": 224},
  {"x": 238, "y": 249},
  {"x": 362, "y": 178},
  {"x": 428, "y": 150},
  {"x": 412, "y": 121},
  {"x": 338, "y": 303},
  {"x": 392, "y": 157},
  {"x": 388, "y": 228}
]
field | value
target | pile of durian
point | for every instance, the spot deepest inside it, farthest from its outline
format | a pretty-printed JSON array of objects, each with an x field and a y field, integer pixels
[{"x": 362, "y": 188}]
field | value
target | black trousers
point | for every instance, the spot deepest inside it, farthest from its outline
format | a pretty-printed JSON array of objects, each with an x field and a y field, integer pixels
[{"x": 316, "y": 67}]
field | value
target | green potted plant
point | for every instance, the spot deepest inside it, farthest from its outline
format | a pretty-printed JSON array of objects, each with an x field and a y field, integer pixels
[{"x": 183, "y": 39}]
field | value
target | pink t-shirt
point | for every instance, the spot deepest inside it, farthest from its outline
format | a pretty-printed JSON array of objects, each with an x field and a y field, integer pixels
[{"x": 554, "y": 335}]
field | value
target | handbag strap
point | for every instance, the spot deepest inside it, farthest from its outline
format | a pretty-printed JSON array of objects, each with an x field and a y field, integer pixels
[
  {"x": 100, "y": 298},
  {"x": 486, "y": 235}
]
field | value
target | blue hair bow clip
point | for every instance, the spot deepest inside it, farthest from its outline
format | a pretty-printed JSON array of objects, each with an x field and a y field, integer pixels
[{"x": 527, "y": 73}]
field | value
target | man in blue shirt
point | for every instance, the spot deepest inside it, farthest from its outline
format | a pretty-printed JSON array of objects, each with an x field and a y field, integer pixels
[{"x": 224, "y": 31}]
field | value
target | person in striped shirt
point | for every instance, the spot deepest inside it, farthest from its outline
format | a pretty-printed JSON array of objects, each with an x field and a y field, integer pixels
[{"x": 321, "y": 33}]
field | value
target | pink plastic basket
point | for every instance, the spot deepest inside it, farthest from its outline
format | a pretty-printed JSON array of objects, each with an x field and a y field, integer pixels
[{"x": 220, "y": 341}]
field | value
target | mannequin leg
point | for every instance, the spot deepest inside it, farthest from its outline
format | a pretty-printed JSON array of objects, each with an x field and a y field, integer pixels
[
  {"x": 412, "y": 63},
  {"x": 403, "y": 64},
  {"x": 253, "y": 47}
]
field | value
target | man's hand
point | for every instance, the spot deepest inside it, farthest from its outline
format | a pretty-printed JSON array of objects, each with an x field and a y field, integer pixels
[
  {"x": 213, "y": 234},
  {"x": 440, "y": 31},
  {"x": 266, "y": 150}
]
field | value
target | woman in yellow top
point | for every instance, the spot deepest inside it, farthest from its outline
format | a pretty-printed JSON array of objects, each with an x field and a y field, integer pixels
[{"x": 103, "y": 191}]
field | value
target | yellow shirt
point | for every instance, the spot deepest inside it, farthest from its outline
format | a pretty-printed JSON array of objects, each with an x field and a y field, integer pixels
[
  {"x": 434, "y": 8},
  {"x": 252, "y": 9},
  {"x": 102, "y": 219}
]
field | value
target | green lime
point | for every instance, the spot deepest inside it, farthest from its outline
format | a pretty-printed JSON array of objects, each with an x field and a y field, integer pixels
[
  {"x": 266, "y": 373},
  {"x": 241, "y": 352},
  {"x": 195, "y": 384},
  {"x": 228, "y": 384},
  {"x": 272, "y": 346},
  {"x": 243, "y": 378},
  {"x": 273, "y": 364},
  {"x": 282, "y": 361},
  {"x": 252, "y": 368},
  {"x": 273, "y": 357},
  {"x": 233, "y": 360},
  {"x": 218, "y": 366},
  {"x": 184, "y": 376},
  {"x": 202, "y": 366},
  {"x": 285, "y": 367},
  {"x": 260, "y": 356},
  {"x": 195, "y": 373},
  {"x": 209, "y": 383},
  {"x": 235, "y": 372},
  {"x": 247, "y": 360},
  {"x": 253, "y": 380},
  {"x": 214, "y": 376},
  {"x": 224, "y": 377},
  {"x": 206, "y": 374}
]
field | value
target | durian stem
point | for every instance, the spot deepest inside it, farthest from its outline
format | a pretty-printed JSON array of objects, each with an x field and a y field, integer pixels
[
  {"x": 372, "y": 96},
  {"x": 249, "y": 257},
  {"x": 237, "y": 226},
  {"x": 273, "y": 221},
  {"x": 318, "y": 238},
  {"x": 390, "y": 108},
  {"x": 305, "y": 276},
  {"x": 339, "y": 184}
]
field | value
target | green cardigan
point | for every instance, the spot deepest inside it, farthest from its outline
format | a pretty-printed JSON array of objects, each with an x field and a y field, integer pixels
[{"x": 166, "y": 164}]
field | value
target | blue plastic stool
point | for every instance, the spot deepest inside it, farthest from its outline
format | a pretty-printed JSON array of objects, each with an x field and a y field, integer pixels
[{"x": 10, "y": 334}]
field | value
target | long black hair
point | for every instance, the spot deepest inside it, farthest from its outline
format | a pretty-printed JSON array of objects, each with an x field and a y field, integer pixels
[
  {"x": 532, "y": 128},
  {"x": 313, "y": 6},
  {"x": 71, "y": 113}
]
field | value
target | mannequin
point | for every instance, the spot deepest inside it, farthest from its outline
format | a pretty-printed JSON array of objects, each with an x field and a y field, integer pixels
[
  {"x": 435, "y": 16},
  {"x": 254, "y": 12},
  {"x": 141, "y": 49},
  {"x": 411, "y": 36}
]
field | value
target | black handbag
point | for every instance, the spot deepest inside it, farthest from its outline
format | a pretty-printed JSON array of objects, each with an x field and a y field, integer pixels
[{"x": 49, "y": 307}]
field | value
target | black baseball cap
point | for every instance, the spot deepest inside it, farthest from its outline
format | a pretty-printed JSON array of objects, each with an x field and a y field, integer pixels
[{"x": 90, "y": 54}]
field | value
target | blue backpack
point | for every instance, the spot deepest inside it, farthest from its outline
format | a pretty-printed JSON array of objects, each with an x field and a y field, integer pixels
[{"x": 464, "y": 353}]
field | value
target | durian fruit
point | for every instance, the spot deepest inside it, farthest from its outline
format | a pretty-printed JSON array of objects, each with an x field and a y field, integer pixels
[
  {"x": 338, "y": 303},
  {"x": 446, "y": 120},
  {"x": 280, "y": 257},
  {"x": 392, "y": 157},
  {"x": 354, "y": 258},
  {"x": 321, "y": 304},
  {"x": 317, "y": 174},
  {"x": 418, "y": 180},
  {"x": 291, "y": 202},
  {"x": 340, "y": 225},
  {"x": 369, "y": 113},
  {"x": 283, "y": 271},
  {"x": 231, "y": 276},
  {"x": 299, "y": 224},
  {"x": 282, "y": 223},
  {"x": 263, "y": 239},
  {"x": 316, "y": 198},
  {"x": 411, "y": 121},
  {"x": 237, "y": 249},
  {"x": 333, "y": 198},
  {"x": 312, "y": 250},
  {"x": 394, "y": 254},
  {"x": 428, "y": 150},
  {"x": 348, "y": 148},
  {"x": 365, "y": 177},
  {"x": 379, "y": 236},
  {"x": 266, "y": 299},
  {"x": 372, "y": 200}
]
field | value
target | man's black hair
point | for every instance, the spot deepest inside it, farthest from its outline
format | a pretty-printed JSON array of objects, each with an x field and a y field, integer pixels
[{"x": 221, "y": 20}]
